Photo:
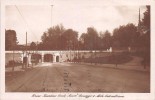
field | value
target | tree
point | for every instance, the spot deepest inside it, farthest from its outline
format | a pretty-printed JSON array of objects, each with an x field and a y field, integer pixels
[
  {"x": 90, "y": 40},
  {"x": 146, "y": 26},
  {"x": 125, "y": 35},
  {"x": 33, "y": 46},
  {"x": 69, "y": 39},
  {"x": 146, "y": 19},
  {"x": 59, "y": 38},
  {"x": 10, "y": 39},
  {"x": 107, "y": 40},
  {"x": 51, "y": 40},
  {"x": 82, "y": 41},
  {"x": 145, "y": 37}
]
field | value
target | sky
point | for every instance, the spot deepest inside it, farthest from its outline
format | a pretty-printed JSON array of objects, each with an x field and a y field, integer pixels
[{"x": 36, "y": 19}]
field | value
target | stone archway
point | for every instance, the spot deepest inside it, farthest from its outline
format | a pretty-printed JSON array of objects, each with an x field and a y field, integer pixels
[
  {"x": 35, "y": 58},
  {"x": 57, "y": 58},
  {"x": 48, "y": 58}
]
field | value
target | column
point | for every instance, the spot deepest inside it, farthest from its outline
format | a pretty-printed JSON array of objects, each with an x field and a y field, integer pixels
[
  {"x": 54, "y": 58},
  {"x": 22, "y": 56},
  {"x": 29, "y": 59},
  {"x": 42, "y": 57},
  {"x": 110, "y": 49}
]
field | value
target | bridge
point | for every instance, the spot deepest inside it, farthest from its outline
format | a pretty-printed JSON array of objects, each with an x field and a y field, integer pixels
[{"x": 49, "y": 56}]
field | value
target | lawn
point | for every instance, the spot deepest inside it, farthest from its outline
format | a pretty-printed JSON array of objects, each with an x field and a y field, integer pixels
[{"x": 113, "y": 58}]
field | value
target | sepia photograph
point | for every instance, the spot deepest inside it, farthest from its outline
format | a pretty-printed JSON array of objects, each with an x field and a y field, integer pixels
[{"x": 77, "y": 47}]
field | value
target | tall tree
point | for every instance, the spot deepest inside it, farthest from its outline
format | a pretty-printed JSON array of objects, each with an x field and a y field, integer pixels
[
  {"x": 92, "y": 38},
  {"x": 51, "y": 40},
  {"x": 144, "y": 40},
  {"x": 10, "y": 39},
  {"x": 145, "y": 37},
  {"x": 125, "y": 35},
  {"x": 146, "y": 19},
  {"x": 107, "y": 39},
  {"x": 33, "y": 46},
  {"x": 82, "y": 41},
  {"x": 69, "y": 39}
]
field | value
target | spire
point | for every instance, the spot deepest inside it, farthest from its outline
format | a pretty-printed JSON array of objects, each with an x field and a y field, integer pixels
[
  {"x": 139, "y": 23},
  {"x": 139, "y": 17}
]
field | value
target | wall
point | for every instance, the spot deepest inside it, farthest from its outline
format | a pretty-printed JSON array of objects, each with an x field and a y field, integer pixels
[{"x": 63, "y": 55}]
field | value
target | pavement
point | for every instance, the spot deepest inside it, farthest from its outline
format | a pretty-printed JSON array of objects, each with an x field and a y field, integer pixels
[
  {"x": 16, "y": 69},
  {"x": 75, "y": 77},
  {"x": 19, "y": 68}
]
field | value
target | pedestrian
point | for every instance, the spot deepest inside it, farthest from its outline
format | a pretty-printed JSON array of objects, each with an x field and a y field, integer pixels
[{"x": 24, "y": 62}]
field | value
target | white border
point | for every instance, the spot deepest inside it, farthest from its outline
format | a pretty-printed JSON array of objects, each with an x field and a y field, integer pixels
[{"x": 26, "y": 96}]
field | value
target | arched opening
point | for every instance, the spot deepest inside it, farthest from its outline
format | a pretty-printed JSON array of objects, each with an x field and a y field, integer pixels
[
  {"x": 35, "y": 58},
  {"x": 57, "y": 58},
  {"x": 48, "y": 58},
  {"x": 25, "y": 60}
]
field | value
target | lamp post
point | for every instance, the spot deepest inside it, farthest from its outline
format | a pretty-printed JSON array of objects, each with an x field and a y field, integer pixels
[
  {"x": 51, "y": 14},
  {"x": 26, "y": 52}
]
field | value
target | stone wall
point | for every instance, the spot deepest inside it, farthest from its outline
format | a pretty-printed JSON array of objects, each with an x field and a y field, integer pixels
[{"x": 63, "y": 56}]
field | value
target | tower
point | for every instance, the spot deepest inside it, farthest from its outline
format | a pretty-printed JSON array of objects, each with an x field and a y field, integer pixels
[
  {"x": 139, "y": 27},
  {"x": 139, "y": 22}
]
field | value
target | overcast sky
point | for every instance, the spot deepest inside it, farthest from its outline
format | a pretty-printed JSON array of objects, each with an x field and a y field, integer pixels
[{"x": 36, "y": 19}]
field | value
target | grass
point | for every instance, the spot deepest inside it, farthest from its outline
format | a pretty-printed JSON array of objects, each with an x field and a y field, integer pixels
[{"x": 118, "y": 58}]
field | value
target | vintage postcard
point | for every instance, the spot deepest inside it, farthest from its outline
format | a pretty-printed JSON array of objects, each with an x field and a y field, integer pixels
[{"x": 77, "y": 49}]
